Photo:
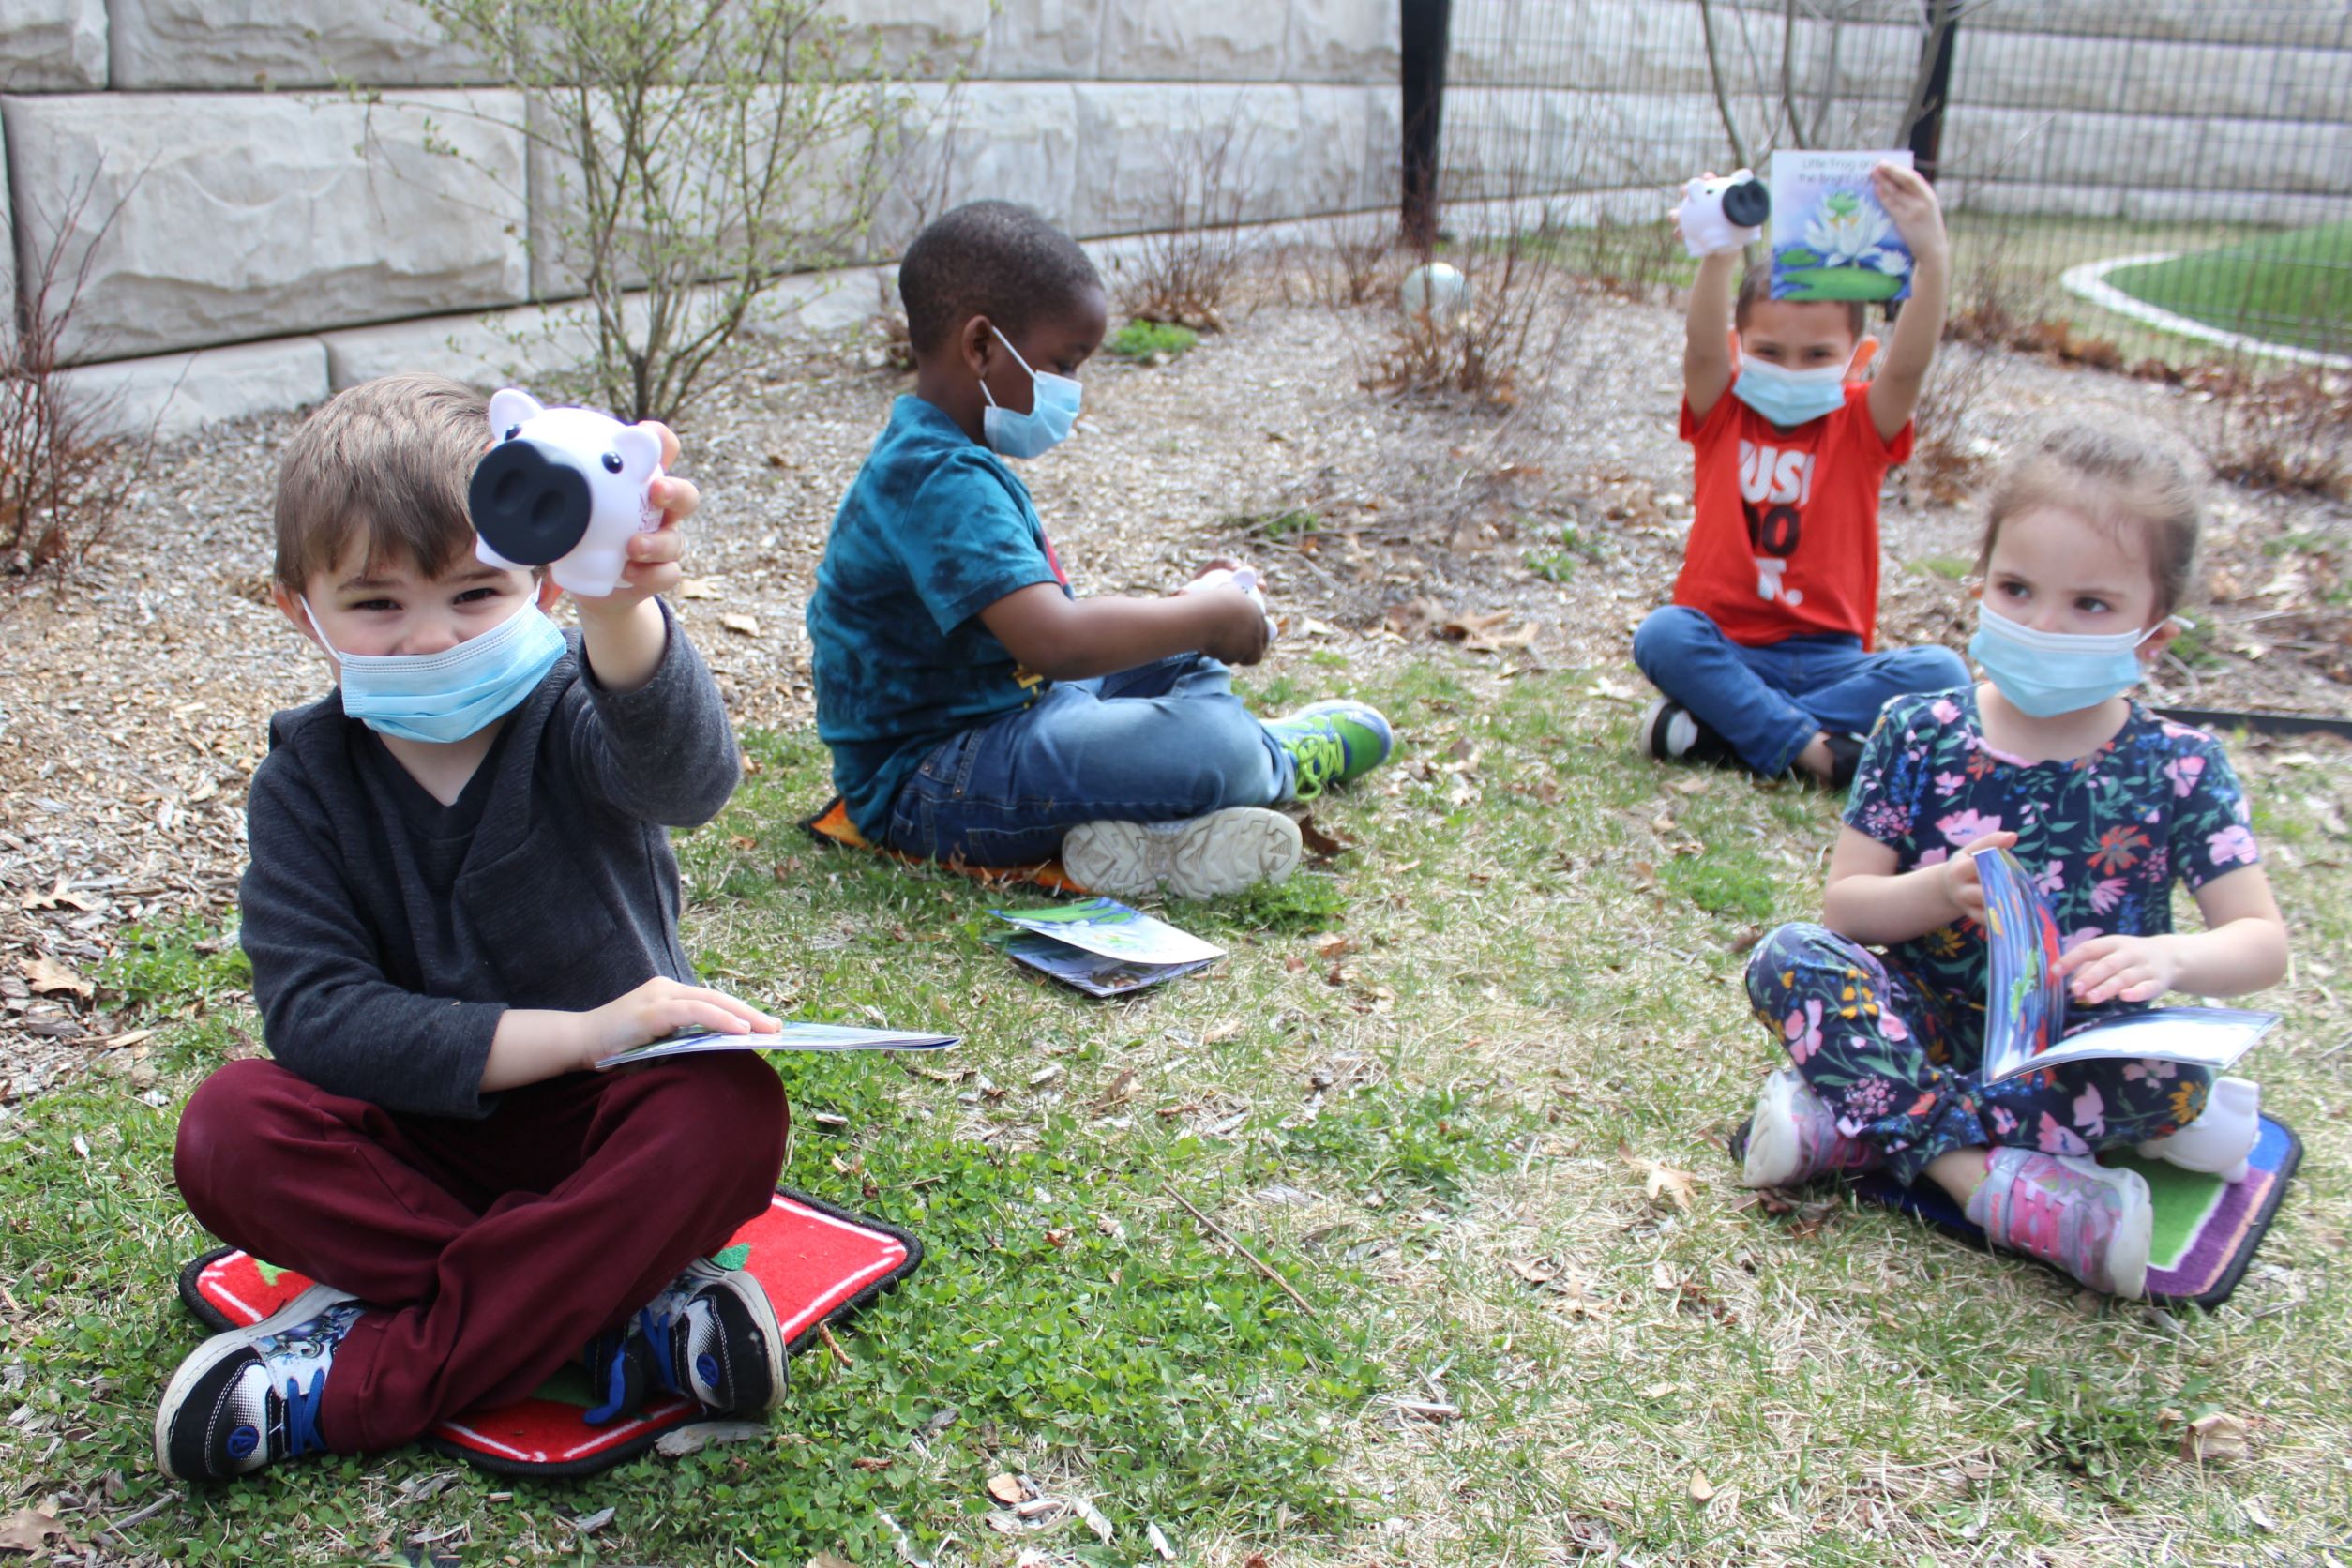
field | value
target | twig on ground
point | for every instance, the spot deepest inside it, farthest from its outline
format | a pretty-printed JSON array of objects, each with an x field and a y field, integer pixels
[
  {"x": 824, "y": 1331},
  {"x": 1264, "y": 1267},
  {"x": 110, "y": 1530}
]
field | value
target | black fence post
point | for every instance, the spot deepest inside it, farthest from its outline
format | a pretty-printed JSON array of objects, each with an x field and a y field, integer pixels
[
  {"x": 1928, "y": 131},
  {"x": 1425, "y": 29}
]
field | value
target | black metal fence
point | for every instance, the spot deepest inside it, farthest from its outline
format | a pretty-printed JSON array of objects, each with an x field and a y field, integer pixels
[{"x": 2173, "y": 175}]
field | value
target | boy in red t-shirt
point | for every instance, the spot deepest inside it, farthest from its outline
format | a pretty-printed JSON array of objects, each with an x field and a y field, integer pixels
[{"x": 1765, "y": 653}]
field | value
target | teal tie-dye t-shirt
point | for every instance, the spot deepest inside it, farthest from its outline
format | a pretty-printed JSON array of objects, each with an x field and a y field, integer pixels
[{"x": 934, "y": 530}]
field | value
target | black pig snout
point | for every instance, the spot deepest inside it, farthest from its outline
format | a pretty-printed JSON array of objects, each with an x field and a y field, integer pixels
[{"x": 529, "y": 505}]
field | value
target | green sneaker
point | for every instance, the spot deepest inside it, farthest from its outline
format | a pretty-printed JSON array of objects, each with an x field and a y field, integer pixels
[{"x": 1332, "y": 743}]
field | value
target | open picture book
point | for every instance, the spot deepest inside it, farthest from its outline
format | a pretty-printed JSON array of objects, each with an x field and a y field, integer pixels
[
  {"x": 2025, "y": 1005},
  {"x": 1103, "y": 947},
  {"x": 795, "y": 1035}
]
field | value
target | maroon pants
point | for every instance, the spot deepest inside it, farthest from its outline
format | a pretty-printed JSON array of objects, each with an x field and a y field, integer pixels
[{"x": 496, "y": 1247}]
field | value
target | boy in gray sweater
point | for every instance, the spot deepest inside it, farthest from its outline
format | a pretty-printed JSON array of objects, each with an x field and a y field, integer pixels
[{"x": 461, "y": 896}]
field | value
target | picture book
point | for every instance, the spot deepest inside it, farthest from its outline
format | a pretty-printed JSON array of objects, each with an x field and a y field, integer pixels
[
  {"x": 1103, "y": 947},
  {"x": 792, "y": 1036},
  {"x": 2025, "y": 1014},
  {"x": 1831, "y": 239}
]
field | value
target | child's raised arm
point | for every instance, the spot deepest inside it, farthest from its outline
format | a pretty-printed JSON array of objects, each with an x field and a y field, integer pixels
[
  {"x": 1707, "y": 332},
  {"x": 1910, "y": 202},
  {"x": 2242, "y": 948}
]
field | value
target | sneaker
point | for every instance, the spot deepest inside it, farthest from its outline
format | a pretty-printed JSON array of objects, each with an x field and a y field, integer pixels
[
  {"x": 1793, "y": 1139},
  {"x": 1199, "y": 857},
  {"x": 711, "y": 1337},
  {"x": 1671, "y": 733},
  {"x": 2222, "y": 1137},
  {"x": 250, "y": 1398},
  {"x": 2093, "y": 1221},
  {"x": 1332, "y": 743}
]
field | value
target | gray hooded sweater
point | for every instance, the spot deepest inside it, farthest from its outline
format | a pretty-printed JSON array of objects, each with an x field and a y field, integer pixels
[{"x": 389, "y": 933}]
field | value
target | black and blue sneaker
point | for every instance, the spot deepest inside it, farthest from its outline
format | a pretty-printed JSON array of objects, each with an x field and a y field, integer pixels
[
  {"x": 251, "y": 1397},
  {"x": 711, "y": 1337}
]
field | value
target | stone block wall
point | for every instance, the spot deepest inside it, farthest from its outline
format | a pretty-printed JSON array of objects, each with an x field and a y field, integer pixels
[
  {"x": 2143, "y": 109},
  {"x": 256, "y": 237}
]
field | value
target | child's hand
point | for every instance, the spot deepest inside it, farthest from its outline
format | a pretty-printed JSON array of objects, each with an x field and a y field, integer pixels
[
  {"x": 2119, "y": 969},
  {"x": 1239, "y": 632},
  {"x": 1910, "y": 202},
  {"x": 663, "y": 1007},
  {"x": 1960, "y": 879},
  {"x": 1217, "y": 564},
  {"x": 653, "y": 557}
]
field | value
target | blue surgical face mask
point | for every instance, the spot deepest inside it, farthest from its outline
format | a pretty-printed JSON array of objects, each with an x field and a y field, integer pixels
[
  {"x": 2046, "y": 674},
  {"x": 1787, "y": 396},
  {"x": 447, "y": 695},
  {"x": 1053, "y": 409}
]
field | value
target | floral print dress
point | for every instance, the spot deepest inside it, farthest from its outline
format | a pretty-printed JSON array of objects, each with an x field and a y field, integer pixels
[{"x": 1891, "y": 1042}]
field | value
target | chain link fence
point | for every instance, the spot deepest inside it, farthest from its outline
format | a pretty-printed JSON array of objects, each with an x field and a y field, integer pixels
[{"x": 2171, "y": 179}]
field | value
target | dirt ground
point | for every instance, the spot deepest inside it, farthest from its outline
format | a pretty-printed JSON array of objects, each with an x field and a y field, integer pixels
[{"x": 134, "y": 695}]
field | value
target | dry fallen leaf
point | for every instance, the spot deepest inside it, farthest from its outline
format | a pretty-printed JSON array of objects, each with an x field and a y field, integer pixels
[
  {"x": 28, "y": 1530},
  {"x": 748, "y": 626},
  {"x": 680, "y": 1442},
  {"x": 1328, "y": 944},
  {"x": 48, "y": 978},
  {"x": 1658, "y": 1179},
  {"x": 2218, "y": 1437},
  {"x": 1094, "y": 1517},
  {"x": 1320, "y": 841},
  {"x": 1121, "y": 1090},
  {"x": 700, "y": 588},
  {"x": 826, "y": 1559},
  {"x": 1006, "y": 1490},
  {"x": 1702, "y": 1489}
]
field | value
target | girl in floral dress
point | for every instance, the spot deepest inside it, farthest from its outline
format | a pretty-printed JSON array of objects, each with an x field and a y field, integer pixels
[{"x": 2088, "y": 549}]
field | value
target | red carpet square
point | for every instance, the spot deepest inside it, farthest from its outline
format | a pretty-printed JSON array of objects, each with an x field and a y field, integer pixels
[{"x": 817, "y": 1264}]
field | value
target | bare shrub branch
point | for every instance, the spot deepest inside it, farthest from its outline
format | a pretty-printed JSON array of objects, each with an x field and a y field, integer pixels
[
  {"x": 67, "y": 472},
  {"x": 1185, "y": 271},
  {"x": 705, "y": 149}
]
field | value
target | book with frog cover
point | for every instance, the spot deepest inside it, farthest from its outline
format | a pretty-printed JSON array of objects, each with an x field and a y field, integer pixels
[{"x": 1831, "y": 239}]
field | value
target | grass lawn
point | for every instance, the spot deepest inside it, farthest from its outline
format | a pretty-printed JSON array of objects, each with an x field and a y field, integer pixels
[
  {"x": 2289, "y": 288},
  {"x": 1465, "y": 1088}
]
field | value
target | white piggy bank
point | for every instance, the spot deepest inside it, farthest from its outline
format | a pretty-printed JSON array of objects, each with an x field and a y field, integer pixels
[{"x": 564, "y": 488}]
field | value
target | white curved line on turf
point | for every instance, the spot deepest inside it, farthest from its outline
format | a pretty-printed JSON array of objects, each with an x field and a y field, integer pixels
[{"x": 2088, "y": 281}]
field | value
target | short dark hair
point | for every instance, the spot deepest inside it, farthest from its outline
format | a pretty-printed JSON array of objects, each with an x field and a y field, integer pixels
[
  {"x": 385, "y": 462},
  {"x": 995, "y": 259},
  {"x": 1755, "y": 286}
]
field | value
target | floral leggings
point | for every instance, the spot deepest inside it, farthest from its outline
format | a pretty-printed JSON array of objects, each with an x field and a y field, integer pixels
[{"x": 1897, "y": 1063}]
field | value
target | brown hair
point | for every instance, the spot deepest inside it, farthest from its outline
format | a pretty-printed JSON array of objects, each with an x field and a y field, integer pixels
[
  {"x": 386, "y": 463},
  {"x": 1756, "y": 287},
  {"x": 2115, "y": 479}
]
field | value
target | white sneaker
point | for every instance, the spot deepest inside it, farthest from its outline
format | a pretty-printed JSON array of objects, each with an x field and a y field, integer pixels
[
  {"x": 1201, "y": 857},
  {"x": 2223, "y": 1135}
]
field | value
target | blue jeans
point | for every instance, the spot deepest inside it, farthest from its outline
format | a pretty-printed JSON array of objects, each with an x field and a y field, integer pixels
[
  {"x": 1154, "y": 744},
  {"x": 1768, "y": 702}
]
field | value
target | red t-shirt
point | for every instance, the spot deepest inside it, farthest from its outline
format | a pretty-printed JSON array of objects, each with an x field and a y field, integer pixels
[{"x": 1785, "y": 526}]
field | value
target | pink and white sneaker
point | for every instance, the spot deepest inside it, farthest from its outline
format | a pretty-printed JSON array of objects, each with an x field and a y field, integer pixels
[
  {"x": 2091, "y": 1220},
  {"x": 1793, "y": 1139}
]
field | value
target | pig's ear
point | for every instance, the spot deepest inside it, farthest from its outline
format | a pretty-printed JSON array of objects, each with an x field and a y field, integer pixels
[
  {"x": 511, "y": 408},
  {"x": 639, "y": 449}
]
